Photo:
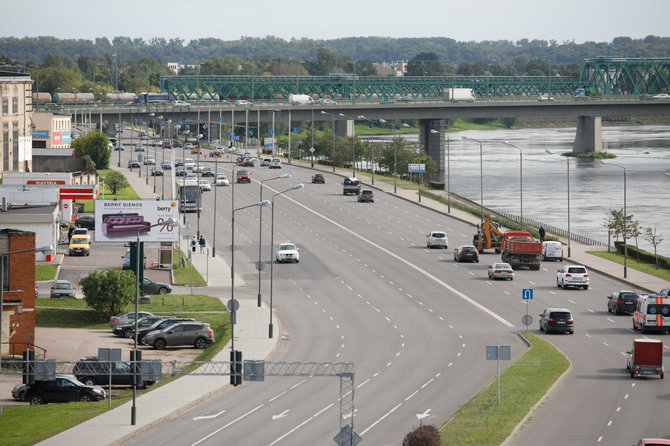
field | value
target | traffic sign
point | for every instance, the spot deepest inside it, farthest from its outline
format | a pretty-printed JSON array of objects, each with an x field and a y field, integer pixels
[
  {"x": 416, "y": 168},
  {"x": 333, "y": 154},
  {"x": 300, "y": 141},
  {"x": 527, "y": 294},
  {"x": 295, "y": 129},
  {"x": 271, "y": 132},
  {"x": 527, "y": 320},
  {"x": 312, "y": 150}
]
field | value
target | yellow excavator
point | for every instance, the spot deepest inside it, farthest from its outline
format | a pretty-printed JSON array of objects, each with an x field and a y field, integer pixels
[{"x": 488, "y": 236}]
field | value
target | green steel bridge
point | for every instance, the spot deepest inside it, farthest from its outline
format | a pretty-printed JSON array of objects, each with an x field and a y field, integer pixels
[{"x": 609, "y": 75}]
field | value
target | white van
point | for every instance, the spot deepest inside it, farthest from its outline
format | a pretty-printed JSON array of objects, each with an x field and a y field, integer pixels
[
  {"x": 275, "y": 163},
  {"x": 552, "y": 251},
  {"x": 652, "y": 313}
]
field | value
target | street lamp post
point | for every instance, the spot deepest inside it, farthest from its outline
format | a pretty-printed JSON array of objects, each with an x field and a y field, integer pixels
[
  {"x": 260, "y": 231},
  {"x": 372, "y": 152},
  {"x": 272, "y": 244},
  {"x": 395, "y": 156},
  {"x": 333, "y": 135},
  {"x": 353, "y": 144},
  {"x": 169, "y": 222},
  {"x": 481, "y": 180},
  {"x": 520, "y": 178},
  {"x": 625, "y": 219}
]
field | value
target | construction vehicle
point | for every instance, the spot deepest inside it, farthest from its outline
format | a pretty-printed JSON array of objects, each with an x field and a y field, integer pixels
[
  {"x": 521, "y": 249},
  {"x": 488, "y": 236}
]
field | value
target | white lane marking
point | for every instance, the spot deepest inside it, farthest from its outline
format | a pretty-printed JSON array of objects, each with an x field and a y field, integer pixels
[
  {"x": 363, "y": 383},
  {"x": 609, "y": 423},
  {"x": 226, "y": 425},
  {"x": 590, "y": 311},
  {"x": 571, "y": 301},
  {"x": 275, "y": 397},
  {"x": 302, "y": 424},
  {"x": 281, "y": 415},
  {"x": 609, "y": 319},
  {"x": 208, "y": 417},
  {"x": 380, "y": 419},
  {"x": 411, "y": 395}
]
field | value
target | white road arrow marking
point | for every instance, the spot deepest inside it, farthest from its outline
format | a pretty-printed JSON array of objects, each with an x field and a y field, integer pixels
[
  {"x": 208, "y": 417},
  {"x": 281, "y": 415}
]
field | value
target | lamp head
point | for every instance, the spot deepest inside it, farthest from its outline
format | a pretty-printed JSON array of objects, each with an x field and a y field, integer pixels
[
  {"x": 286, "y": 175},
  {"x": 362, "y": 117},
  {"x": 298, "y": 186},
  {"x": 383, "y": 120},
  {"x": 263, "y": 203},
  {"x": 404, "y": 124},
  {"x": 433, "y": 131}
]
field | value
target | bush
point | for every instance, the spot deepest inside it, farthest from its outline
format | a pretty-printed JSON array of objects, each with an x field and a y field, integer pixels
[
  {"x": 438, "y": 185},
  {"x": 645, "y": 256},
  {"x": 108, "y": 292},
  {"x": 423, "y": 436}
]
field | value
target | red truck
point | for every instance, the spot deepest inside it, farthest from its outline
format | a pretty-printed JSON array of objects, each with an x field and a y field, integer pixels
[
  {"x": 519, "y": 248},
  {"x": 646, "y": 358}
]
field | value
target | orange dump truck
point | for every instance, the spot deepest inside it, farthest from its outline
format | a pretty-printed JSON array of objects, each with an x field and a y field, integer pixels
[{"x": 519, "y": 249}]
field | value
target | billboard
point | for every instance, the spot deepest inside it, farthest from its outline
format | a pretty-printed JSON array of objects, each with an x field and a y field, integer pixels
[{"x": 122, "y": 220}]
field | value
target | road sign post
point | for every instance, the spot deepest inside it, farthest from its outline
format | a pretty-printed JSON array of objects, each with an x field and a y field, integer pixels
[
  {"x": 497, "y": 353},
  {"x": 527, "y": 296}
]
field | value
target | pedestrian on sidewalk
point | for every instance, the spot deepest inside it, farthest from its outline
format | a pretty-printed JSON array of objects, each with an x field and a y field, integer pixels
[
  {"x": 194, "y": 243},
  {"x": 202, "y": 244},
  {"x": 541, "y": 234}
]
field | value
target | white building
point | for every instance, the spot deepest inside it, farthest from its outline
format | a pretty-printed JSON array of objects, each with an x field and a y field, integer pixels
[{"x": 16, "y": 107}]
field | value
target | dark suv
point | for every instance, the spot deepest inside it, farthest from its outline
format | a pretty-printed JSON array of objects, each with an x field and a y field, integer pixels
[
  {"x": 198, "y": 334},
  {"x": 91, "y": 371},
  {"x": 466, "y": 253},
  {"x": 366, "y": 196},
  {"x": 622, "y": 302},
  {"x": 63, "y": 389},
  {"x": 126, "y": 330},
  {"x": 558, "y": 320}
]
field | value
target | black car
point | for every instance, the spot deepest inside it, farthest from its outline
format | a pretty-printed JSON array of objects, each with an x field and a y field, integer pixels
[
  {"x": 156, "y": 171},
  {"x": 622, "y": 302},
  {"x": 150, "y": 287},
  {"x": 318, "y": 178},
  {"x": 126, "y": 330},
  {"x": 366, "y": 196},
  {"x": 206, "y": 172},
  {"x": 466, "y": 253},
  {"x": 91, "y": 371},
  {"x": 557, "y": 320},
  {"x": 160, "y": 325},
  {"x": 63, "y": 389},
  {"x": 133, "y": 163},
  {"x": 86, "y": 221}
]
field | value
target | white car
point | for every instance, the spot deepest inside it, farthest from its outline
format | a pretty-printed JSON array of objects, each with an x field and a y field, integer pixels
[
  {"x": 266, "y": 162},
  {"x": 275, "y": 164},
  {"x": 287, "y": 252},
  {"x": 191, "y": 179},
  {"x": 181, "y": 103},
  {"x": 573, "y": 275},
  {"x": 189, "y": 163},
  {"x": 204, "y": 185},
  {"x": 222, "y": 180},
  {"x": 242, "y": 102},
  {"x": 501, "y": 271},
  {"x": 437, "y": 239}
]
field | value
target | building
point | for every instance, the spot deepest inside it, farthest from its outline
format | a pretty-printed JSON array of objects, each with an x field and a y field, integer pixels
[
  {"x": 17, "y": 318},
  {"x": 16, "y": 91},
  {"x": 41, "y": 218},
  {"x": 52, "y": 130}
]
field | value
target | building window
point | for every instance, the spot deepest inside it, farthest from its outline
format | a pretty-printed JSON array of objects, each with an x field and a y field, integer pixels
[
  {"x": 5, "y": 106},
  {"x": 15, "y": 106},
  {"x": 15, "y": 150},
  {"x": 5, "y": 151},
  {"x": 4, "y": 266}
]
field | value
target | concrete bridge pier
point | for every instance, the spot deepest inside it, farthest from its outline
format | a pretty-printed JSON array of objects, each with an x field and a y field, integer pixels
[
  {"x": 433, "y": 143},
  {"x": 588, "y": 138}
]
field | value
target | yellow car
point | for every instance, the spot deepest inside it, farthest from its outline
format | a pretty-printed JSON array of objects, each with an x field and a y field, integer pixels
[
  {"x": 80, "y": 244},
  {"x": 196, "y": 149}
]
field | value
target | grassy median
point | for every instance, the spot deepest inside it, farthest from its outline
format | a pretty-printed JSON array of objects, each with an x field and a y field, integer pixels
[{"x": 482, "y": 422}]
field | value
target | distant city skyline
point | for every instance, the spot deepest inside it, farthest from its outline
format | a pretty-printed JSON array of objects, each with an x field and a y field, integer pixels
[{"x": 485, "y": 20}]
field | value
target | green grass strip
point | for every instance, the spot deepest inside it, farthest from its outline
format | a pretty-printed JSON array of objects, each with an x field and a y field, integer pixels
[
  {"x": 45, "y": 272},
  {"x": 648, "y": 268},
  {"x": 182, "y": 275},
  {"x": 482, "y": 422}
]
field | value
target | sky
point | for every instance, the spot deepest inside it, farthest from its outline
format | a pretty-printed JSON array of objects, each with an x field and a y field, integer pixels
[{"x": 565, "y": 21}]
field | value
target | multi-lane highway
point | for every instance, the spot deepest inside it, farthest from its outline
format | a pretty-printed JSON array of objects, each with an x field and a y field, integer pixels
[{"x": 414, "y": 322}]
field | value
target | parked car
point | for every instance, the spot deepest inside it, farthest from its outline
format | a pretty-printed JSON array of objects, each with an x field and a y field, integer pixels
[
  {"x": 243, "y": 176},
  {"x": 204, "y": 185},
  {"x": 126, "y": 260},
  {"x": 127, "y": 318},
  {"x": 198, "y": 334},
  {"x": 623, "y": 301},
  {"x": 92, "y": 371},
  {"x": 151, "y": 287},
  {"x": 160, "y": 325},
  {"x": 318, "y": 178},
  {"x": 558, "y": 320},
  {"x": 156, "y": 171},
  {"x": 437, "y": 239},
  {"x": 572, "y": 275},
  {"x": 63, "y": 389},
  {"x": 466, "y": 253},
  {"x": 501, "y": 271},
  {"x": 366, "y": 196},
  {"x": 126, "y": 330},
  {"x": 80, "y": 244},
  {"x": 207, "y": 172},
  {"x": 266, "y": 162},
  {"x": 222, "y": 180},
  {"x": 61, "y": 288},
  {"x": 287, "y": 252},
  {"x": 85, "y": 221},
  {"x": 18, "y": 392},
  {"x": 133, "y": 163}
]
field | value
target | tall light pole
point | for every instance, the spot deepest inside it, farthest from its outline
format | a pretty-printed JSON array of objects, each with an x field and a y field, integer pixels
[
  {"x": 372, "y": 152},
  {"x": 260, "y": 231},
  {"x": 625, "y": 219},
  {"x": 481, "y": 180},
  {"x": 169, "y": 222},
  {"x": 568, "y": 182},
  {"x": 520, "y": 178},
  {"x": 333, "y": 135},
  {"x": 353, "y": 144},
  {"x": 395, "y": 156},
  {"x": 272, "y": 245}
]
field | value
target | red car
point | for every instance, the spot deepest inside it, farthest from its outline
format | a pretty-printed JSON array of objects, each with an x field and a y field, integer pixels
[{"x": 243, "y": 176}]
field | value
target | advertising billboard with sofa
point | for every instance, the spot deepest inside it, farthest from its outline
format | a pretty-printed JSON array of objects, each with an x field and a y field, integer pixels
[{"x": 123, "y": 220}]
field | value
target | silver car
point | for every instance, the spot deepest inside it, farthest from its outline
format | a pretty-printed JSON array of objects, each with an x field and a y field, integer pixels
[
  {"x": 437, "y": 239},
  {"x": 127, "y": 318},
  {"x": 197, "y": 334}
]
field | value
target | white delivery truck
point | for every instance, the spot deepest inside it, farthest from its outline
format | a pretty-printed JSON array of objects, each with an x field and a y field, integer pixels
[
  {"x": 459, "y": 94},
  {"x": 552, "y": 251},
  {"x": 300, "y": 99}
]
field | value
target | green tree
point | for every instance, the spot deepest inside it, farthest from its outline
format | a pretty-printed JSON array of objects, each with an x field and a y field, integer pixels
[
  {"x": 425, "y": 64},
  {"x": 116, "y": 181},
  {"x": 655, "y": 238},
  {"x": 96, "y": 146},
  {"x": 108, "y": 292}
]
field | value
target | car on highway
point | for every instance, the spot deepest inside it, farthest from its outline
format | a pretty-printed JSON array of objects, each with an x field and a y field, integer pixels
[
  {"x": 552, "y": 250},
  {"x": 366, "y": 196},
  {"x": 189, "y": 163},
  {"x": 160, "y": 325},
  {"x": 275, "y": 163},
  {"x": 92, "y": 371},
  {"x": 245, "y": 162},
  {"x": 287, "y": 252},
  {"x": 191, "y": 178},
  {"x": 126, "y": 318},
  {"x": 149, "y": 160},
  {"x": 179, "y": 103},
  {"x": 243, "y": 176},
  {"x": 156, "y": 171},
  {"x": 64, "y": 389},
  {"x": 242, "y": 102},
  {"x": 351, "y": 186},
  {"x": 318, "y": 178},
  {"x": 206, "y": 172},
  {"x": 133, "y": 163},
  {"x": 326, "y": 101},
  {"x": 222, "y": 180},
  {"x": 622, "y": 301},
  {"x": 126, "y": 330},
  {"x": 178, "y": 162},
  {"x": 61, "y": 288},
  {"x": 501, "y": 271},
  {"x": 151, "y": 287},
  {"x": 437, "y": 239},
  {"x": 166, "y": 165},
  {"x": 204, "y": 185},
  {"x": 466, "y": 253},
  {"x": 557, "y": 320},
  {"x": 197, "y": 334},
  {"x": 266, "y": 162},
  {"x": 180, "y": 171},
  {"x": 572, "y": 275},
  {"x": 139, "y": 148},
  {"x": 119, "y": 147},
  {"x": 80, "y": 244},
  {"x": 85, "y": 221}
]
